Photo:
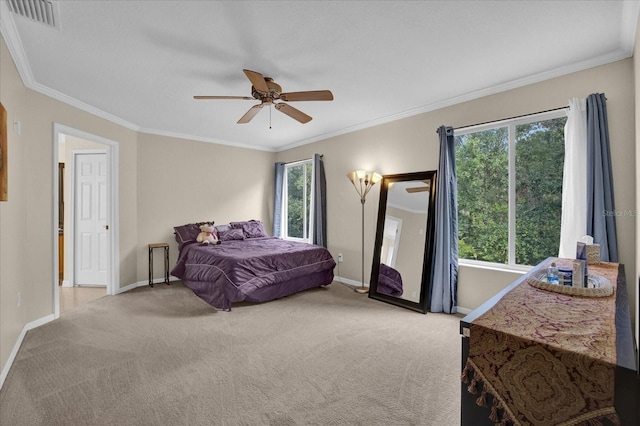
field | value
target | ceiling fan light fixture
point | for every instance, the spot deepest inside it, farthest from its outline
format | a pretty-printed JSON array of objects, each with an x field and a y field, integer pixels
[{"x": 265, "y": 90}]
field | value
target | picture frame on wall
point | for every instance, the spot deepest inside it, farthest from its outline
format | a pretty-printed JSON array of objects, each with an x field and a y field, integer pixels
[{"x": 3, "y": 155}]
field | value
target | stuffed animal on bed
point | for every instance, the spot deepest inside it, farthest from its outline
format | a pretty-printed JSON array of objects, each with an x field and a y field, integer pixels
[{"x": 207, "y": 234}]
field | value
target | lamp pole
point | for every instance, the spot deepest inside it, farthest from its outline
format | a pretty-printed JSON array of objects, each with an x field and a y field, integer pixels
[
  {"x": 362, "y": 289},
  {"x": 365, "y": 181}
]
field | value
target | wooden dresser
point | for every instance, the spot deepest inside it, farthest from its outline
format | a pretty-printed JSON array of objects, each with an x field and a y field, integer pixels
[{"x": 552, "y": 362}]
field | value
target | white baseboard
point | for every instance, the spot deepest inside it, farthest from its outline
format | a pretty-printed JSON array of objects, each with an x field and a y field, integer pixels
[
  {"x": 67, "y": 283},
  {"x": 464, "y": 311},
  {"x": 144, "y": 283},
  {"x": 349, "y": 282},
  {"x": 16, "y": 347}
]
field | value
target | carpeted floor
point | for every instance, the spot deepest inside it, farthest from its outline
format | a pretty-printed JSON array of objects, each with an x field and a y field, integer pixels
[{"x": 162, "y": 356}]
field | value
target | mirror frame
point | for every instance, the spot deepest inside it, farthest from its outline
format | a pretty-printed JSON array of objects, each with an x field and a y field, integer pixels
[{"x": 425, "y": 285}]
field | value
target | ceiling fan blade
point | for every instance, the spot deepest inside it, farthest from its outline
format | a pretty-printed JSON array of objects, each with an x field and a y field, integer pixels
[
  {"x": 225, "y": 97},
  {"x": 294, "y": 113},
  {"x": 257, "y": 80},
  {"x": 418, "y": 189},
  {"x": 313, "y": 95},
  {"x": 250, "y": 114}
]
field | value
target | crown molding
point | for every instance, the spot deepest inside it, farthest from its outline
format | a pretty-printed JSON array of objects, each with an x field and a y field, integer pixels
[
  {"x": 47, "y": 91},
  {"x": 204, "y": 139}
]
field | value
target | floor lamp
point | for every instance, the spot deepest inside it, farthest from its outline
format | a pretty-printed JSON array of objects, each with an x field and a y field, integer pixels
[{"x": 363, "y": 181}]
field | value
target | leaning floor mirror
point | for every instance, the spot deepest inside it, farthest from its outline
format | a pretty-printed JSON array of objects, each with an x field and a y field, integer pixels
[{"x": 401, "y": 269}]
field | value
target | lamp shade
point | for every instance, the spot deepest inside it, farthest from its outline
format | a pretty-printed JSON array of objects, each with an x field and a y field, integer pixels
[{"x": 363, "y": 180}]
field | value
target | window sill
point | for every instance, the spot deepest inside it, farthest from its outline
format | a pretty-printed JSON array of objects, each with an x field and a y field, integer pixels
[
  {"x": 300, "y": 240},
  {"x": 500, "y": 267}
]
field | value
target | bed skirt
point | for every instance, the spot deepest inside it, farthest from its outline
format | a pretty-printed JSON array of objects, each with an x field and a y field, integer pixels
[{"x": 216, "y": 297}]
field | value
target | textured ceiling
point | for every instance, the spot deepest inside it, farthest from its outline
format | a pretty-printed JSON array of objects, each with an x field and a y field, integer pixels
[{"x": 139, "y": 63}]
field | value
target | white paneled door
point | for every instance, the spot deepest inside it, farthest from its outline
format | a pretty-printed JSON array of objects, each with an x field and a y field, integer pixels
[{"x": 90, "y": 217}]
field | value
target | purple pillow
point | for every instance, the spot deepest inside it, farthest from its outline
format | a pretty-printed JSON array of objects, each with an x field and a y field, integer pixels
[
  {"x": 251, "y": 228},
  {"x": 231, "y": 234},
  {"x": 222, "y": 228},
  {"x": 186, "y": 234}
]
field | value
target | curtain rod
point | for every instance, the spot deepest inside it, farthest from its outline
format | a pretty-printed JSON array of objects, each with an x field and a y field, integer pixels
[{"x": 510, "y": 118}]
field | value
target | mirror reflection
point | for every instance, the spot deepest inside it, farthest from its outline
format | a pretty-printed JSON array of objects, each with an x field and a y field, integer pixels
[{"x": 402, "y": 254}]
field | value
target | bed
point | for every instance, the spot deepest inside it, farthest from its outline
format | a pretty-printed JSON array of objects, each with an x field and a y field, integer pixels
[{"x": 248, "y": 265}]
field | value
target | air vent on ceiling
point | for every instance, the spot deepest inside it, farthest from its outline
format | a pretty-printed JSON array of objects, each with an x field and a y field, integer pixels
[{"x": 43, "y": 11}]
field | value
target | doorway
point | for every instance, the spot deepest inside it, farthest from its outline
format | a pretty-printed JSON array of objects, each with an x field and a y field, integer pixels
[{"x": 86, "y": 259}]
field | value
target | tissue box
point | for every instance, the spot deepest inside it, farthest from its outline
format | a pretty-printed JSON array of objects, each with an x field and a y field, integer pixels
[
  {"x": 588, "y": 252},
  {"x": 593, "y": 254}
]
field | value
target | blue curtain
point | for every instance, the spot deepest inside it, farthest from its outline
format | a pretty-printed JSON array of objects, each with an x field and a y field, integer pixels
[
  {"x": 601, "y": 219},
  {"x": 277, "y": 200},
  {"x": 443, "y": 292},
  {"x": 319, "y": 202}
]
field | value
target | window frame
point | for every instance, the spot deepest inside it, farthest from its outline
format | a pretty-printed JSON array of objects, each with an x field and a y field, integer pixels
[
  {"x": 510, "y": 124},
  {"x": 307, "y": 221}
]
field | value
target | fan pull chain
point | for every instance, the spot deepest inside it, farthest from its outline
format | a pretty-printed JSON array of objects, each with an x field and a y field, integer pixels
[{"x": 269, "y": 118}]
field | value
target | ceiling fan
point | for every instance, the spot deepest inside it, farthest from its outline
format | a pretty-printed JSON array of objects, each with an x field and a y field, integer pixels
[{"x": 267, "y": 91}]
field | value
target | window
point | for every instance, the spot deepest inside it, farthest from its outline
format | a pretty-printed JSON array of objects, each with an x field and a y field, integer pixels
[
  {"x": 510, "y": 189},
  {"x": 297, "y": 209}
]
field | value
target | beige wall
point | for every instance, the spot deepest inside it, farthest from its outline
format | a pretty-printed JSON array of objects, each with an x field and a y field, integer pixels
[
  {"x": 13, "y": 223},
  {"x": 411, "y": 144},
  {"x": 182, "y": 181}
]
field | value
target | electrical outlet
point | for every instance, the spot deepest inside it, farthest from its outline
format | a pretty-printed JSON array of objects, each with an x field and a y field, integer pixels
[
  {"x": 19, "y": 299},
  {"x": 340, "y": 257}
]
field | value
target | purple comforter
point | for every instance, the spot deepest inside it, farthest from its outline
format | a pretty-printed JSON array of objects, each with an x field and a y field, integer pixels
[
  {"x": 255, "y": 270},
  {"x": 389, "y": 281}
]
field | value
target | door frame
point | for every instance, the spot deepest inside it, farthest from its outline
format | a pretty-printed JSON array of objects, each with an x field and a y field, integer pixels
[
  {"x": 113, "y": 218},
  {"x": 396, "y": 241}
]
